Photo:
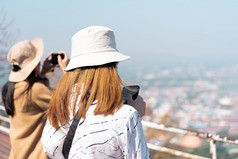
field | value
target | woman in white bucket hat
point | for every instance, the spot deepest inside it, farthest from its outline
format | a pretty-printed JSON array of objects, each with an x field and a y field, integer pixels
[
  {"x": 90, "y": 92},
  {"x": 26, "y": 97}
]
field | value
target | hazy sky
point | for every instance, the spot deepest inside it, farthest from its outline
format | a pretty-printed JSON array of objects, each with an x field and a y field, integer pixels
[{"x": 150, "y": 31}]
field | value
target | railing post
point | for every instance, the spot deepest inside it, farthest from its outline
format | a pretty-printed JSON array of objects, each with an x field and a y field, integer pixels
[{"x": 213, "y": 151}]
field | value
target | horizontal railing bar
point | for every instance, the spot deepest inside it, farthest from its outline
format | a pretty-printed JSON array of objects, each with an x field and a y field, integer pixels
[
  {"x": 174, "y": 152},
  {"x": 2, "y": 107},
  {"x": 6, "y": 119},
  {"x": 189, "y": 132},
  {"x": 4, "y": 129}
]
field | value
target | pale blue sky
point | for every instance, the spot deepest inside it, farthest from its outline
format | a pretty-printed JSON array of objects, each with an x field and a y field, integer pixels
[{"x": 154, "y": 31}]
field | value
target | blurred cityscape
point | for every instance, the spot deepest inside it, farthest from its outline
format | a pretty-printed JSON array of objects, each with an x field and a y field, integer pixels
[{"x": 195, "y": 98}]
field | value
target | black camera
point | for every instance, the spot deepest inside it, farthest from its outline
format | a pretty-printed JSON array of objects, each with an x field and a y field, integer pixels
[
  {"x": 54, "y": 59},
  {"x": 133, "y": 90}
]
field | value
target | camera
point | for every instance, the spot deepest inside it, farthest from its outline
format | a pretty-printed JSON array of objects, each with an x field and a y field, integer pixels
[
  {"x": 54, "y": 59},
  {"x": 133, "y": 90}
]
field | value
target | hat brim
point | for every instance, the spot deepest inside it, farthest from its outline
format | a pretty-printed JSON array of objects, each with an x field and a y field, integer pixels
[
  {"x": 95, "y": 59},
  {"x": 23, "y": 73}
]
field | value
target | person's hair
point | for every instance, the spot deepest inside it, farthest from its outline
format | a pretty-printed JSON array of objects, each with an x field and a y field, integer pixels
[
  {"x": 85, "y": 85},
  {"x": 8, "y": 93}
]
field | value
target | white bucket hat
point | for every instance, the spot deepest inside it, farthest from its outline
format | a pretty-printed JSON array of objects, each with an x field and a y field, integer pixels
[
  {"x": 24, "y": 56},
  {"x": 94, "y": 46}
]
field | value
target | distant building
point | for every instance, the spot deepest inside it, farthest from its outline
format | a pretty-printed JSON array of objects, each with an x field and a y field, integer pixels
[{"x": 225, "y": 102}]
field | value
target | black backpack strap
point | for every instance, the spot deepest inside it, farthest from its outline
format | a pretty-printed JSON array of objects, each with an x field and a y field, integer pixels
[{"x": 69, "y": 138}]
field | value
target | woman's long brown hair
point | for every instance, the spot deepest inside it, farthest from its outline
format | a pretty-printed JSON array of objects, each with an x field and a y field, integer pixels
[{"x": 101, "y": 83}]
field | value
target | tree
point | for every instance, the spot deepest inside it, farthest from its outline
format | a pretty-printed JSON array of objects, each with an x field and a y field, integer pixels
[{"x": 7, "y": 38}]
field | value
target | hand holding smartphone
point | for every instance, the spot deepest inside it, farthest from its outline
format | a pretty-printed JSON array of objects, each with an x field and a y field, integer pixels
[{"x": 54, "y": 58}]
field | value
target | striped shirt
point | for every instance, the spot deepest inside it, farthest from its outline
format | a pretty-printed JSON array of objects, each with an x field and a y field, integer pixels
[{"x": 115, "y": 136}]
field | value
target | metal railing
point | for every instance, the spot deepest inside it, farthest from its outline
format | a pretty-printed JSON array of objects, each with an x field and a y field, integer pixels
[
  {"x": 211, "y": 138},
  {"x": 5, "y": 119}
]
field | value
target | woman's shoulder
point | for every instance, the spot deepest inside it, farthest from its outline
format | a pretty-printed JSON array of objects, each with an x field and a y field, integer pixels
[
  {"x": 37, "y": 86},
  {"x": 40, "y": 91},
  {"x": 126, "y": 111}
]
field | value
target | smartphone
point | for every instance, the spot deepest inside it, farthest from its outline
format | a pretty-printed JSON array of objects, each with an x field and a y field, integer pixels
[
  {"x": 133, "y": 90},
  {"x": 54, "y": 59}
]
